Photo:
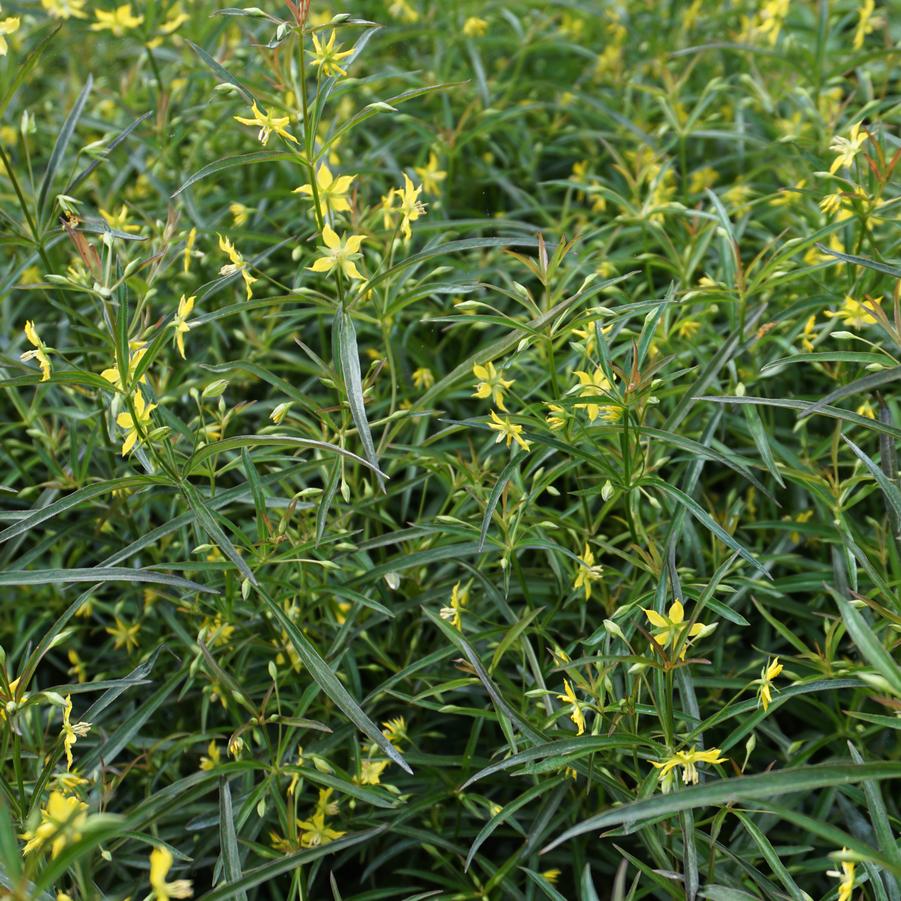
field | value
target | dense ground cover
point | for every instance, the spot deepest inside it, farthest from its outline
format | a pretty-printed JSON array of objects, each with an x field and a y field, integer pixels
[{"x": 448, "y": 450}]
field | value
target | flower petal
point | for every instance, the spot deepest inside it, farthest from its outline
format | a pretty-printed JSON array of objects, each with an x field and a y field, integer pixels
[
  {"x": 656, "y": 619},
  {"x": 330, "y": 238}
]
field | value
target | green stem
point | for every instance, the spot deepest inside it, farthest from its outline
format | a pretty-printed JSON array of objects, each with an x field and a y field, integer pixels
[
  {"x": 38, "y": 243},
  {"x": 308, "y": 137}
]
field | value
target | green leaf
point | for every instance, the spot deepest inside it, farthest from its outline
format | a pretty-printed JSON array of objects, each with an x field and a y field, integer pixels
[
  {"x": 771, "y": 857},
  {"x": 564, "y": 749},
  {"x": 268, "y": 871},
  {"x": 889, "y": 489},
  {"x": 805, "y": 406},
  {"x": 373, "y": 109},
  {"x": 866, "y": 262},
  {"x": 230, "y": 162},
  {"x": 228, "y": 840},
  {"x": 866, "y": 383},
  {"x": 24, "y": 67},
  {"x": 98, "y": 574},
  {"x": 115, "y": 742},
  {"x": 543, "y": 885},
  {"x": 761, "y": 786},
  {"x": 493, "y": 498},
  {"x": 62, "y": 142},
  {"x": 220, "y": 71},
  {"x": 866, "y": 641},
  {"x": 706, "y": 520},
  {"x": 324, "y": 677},
  {"x": 507, "y": 811},
  {"x": 348, "y": 358},
  {"x": 882, "y": 827},
  {"x": 75, "y": 499},
  {"x": 725, "y": 893},
  {"x": 288, "y": 441},
  {"x": 107, "y": 150},
  {"x": 207, "y": 523}
]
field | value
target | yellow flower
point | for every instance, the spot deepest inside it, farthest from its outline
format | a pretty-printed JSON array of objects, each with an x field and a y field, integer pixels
[
  {"x": 175, "y": 18},
  {"x": 332, "y": 191},
  {"x": 670, "y": 628},
  {"x": 847, "y": 148},
  {"x": 325, "y": 805},
  {"x": 395, "y": 730},
  {"x": 591, "y": 386},
  {"x": 71, "y": 733},
  {"x": 490, "y": 384},
  {"x": 215, "y": 631},
  {"x": 179, "y": 322},
  {"x": 588, "y": 573},
  {"x": 770, "y": 671},
  {"x": 789, "y": 196},
  {"x": 7, "y": 26},
  {"x": 124, "y": 636},
  {"x": 766, "y": 24},
  {"x": 556, "y": 417},
  {"x": 77, "y": 668},
  {"x": 160, "y": 864},
  {"x": 327, "y": 56},
  {"x": 430, "y": 175},
  {"x": 551, "y": 875},
  {"x": 459, "y": 599},
  {"x": 807, "y": 334},
  {"x": 423, "y": 378},
  {"x": 314, "y": 832},
  {"x": 738, "y": 196},
  {"x": 238, "y": 264},
  {"x": 212, "y": 758},
  {"x": 401, "y": 9},
  {"x": 687, "y": 760},
  {"x": 65, "y": 9},
  {"x": 340, "y": 252},
  {"x": 702, "y": 179},
  {"x": 856, "y": 314},
  {"x": 865, "y": 25},
  {"x": 866, "y": 409},
  {"x": 579, "y": 171},
  {"x": 267, "y": 123},
  {"x": 688, "y": 328},
  {"x": 189, "y": 249},
  {"x": 119, "y": 221},
  {"x": 61, "y": 823},
  {"x": 802, "y": 517},
  {"x": 474, "y": 27},
  {"x": 9, "y": 700},
  {"x": 386, "y": 205},
  {"x": 240, "y": 213},
  {"x": 411, "y": 208},
  {"x": 831, "y": 204},
  {"x": 137, "y": 423},
  {"x": 118, "y": 22},
  {"x": 371, "y": 772},
  {"x": 509, "y": 430},
  {"x": 40, "y": 352},
  {"x": 575, "y": 714},
  {"x": 280, "y": 412},
  {"x": 136, "y": 352},
  {"x": 845, "y": 877}
]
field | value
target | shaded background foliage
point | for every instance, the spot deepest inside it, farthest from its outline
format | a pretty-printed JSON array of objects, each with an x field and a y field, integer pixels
[{"x": 657, "y": 171}]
